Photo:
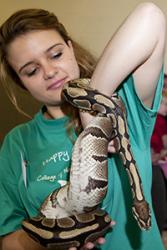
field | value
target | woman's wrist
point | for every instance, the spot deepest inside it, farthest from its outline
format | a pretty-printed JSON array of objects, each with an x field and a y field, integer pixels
[{"x": 85, "y": 118}]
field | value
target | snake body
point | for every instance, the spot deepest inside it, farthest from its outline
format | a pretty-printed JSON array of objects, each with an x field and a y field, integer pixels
[{"x": 69, "y": 216}]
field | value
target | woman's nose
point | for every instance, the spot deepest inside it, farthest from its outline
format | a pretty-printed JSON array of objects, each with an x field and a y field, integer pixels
[{"x": 49, "y": 71}]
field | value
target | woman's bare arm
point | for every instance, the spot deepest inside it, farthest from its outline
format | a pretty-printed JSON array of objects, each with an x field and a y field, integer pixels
[
  {"x": 137, "y": 47},
  {"x": 19, "y": 240}
]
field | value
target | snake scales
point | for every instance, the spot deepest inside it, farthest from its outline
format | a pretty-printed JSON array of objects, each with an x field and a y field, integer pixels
[{"x": 69, "y": 216}]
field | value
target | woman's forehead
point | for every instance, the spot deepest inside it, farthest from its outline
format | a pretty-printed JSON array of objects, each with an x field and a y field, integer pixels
[{"x": 32, "y": 45}]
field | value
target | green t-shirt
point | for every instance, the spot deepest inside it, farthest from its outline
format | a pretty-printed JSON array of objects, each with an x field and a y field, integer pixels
[{"x": 35, "y": 160}]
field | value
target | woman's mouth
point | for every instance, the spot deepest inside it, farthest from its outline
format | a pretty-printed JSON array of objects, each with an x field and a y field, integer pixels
[{"x": 57, "y": 84}]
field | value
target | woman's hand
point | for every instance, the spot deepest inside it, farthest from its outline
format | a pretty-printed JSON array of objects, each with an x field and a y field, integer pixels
[
  {"x": 112, "y": 147},
  {"x": 91, "y": 245}
]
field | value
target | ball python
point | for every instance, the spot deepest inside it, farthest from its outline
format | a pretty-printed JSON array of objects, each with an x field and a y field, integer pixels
[{"x": 70, "y": 216}]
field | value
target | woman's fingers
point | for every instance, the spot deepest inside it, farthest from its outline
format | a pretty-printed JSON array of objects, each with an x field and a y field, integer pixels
[
  {"x": 100, "y": 240},
  {"x": 112, "y": 147}
]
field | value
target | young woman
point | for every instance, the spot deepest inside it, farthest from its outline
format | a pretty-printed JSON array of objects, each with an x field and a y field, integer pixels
[{"x": 38, "y": 54}]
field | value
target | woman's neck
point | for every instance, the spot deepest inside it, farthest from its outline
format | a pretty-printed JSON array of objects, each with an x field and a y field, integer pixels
[{"x": 52, "y": 113}]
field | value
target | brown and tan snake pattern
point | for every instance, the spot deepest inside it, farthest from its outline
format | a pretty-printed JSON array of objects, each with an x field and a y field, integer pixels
[{"x": 69, "y": 216}]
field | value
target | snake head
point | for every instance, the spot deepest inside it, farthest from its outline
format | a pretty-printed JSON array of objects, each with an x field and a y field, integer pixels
[
  {"x": 75, "y": 92},
  {"x": 80, "y": 83},
  {"x": 142, "y": 213}
]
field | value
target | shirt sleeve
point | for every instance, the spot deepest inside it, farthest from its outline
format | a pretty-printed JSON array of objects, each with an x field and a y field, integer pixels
[
  {"x": 11, "y": 207},
  {"x": 140, "y": 118}
]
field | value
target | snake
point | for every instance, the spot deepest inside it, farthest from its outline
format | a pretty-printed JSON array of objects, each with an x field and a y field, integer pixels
[{"x": 71, "y": 216}]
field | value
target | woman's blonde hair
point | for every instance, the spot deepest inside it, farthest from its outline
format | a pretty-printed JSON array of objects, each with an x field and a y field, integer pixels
[{"x": 27, "y": 20}]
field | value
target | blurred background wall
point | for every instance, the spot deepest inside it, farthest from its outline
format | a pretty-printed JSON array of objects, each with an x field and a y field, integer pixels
[{"x": 90, "y": 22}]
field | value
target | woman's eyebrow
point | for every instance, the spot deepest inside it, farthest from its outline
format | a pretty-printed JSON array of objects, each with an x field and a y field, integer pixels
[
  {"x": 50, "y": 48},
  {"x": 25, "y": 65},
  {"x": 53, "y": 46}
]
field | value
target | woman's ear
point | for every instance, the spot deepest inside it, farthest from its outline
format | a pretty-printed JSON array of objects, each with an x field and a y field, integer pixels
[{"x": 70, "y": 45}]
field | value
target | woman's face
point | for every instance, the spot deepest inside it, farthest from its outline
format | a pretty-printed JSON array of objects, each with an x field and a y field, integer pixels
[{"x": 44, "y": 63}]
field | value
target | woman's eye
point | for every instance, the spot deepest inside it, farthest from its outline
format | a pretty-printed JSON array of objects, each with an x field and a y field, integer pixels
[
  {"x": 31, "y": 73},
  {"x": 56, "y": 55}
]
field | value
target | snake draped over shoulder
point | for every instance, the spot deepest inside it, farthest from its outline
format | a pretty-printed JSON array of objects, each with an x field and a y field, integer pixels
[{"x": 70, "y": 216}]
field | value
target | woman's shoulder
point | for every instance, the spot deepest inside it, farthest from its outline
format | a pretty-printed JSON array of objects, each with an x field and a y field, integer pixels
[
  {"x": 20, "y": 129},
  {"x": 18, "y": 134}
]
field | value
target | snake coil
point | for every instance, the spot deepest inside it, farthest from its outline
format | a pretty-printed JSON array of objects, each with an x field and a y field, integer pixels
[{"x": 70, "y": 217}]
